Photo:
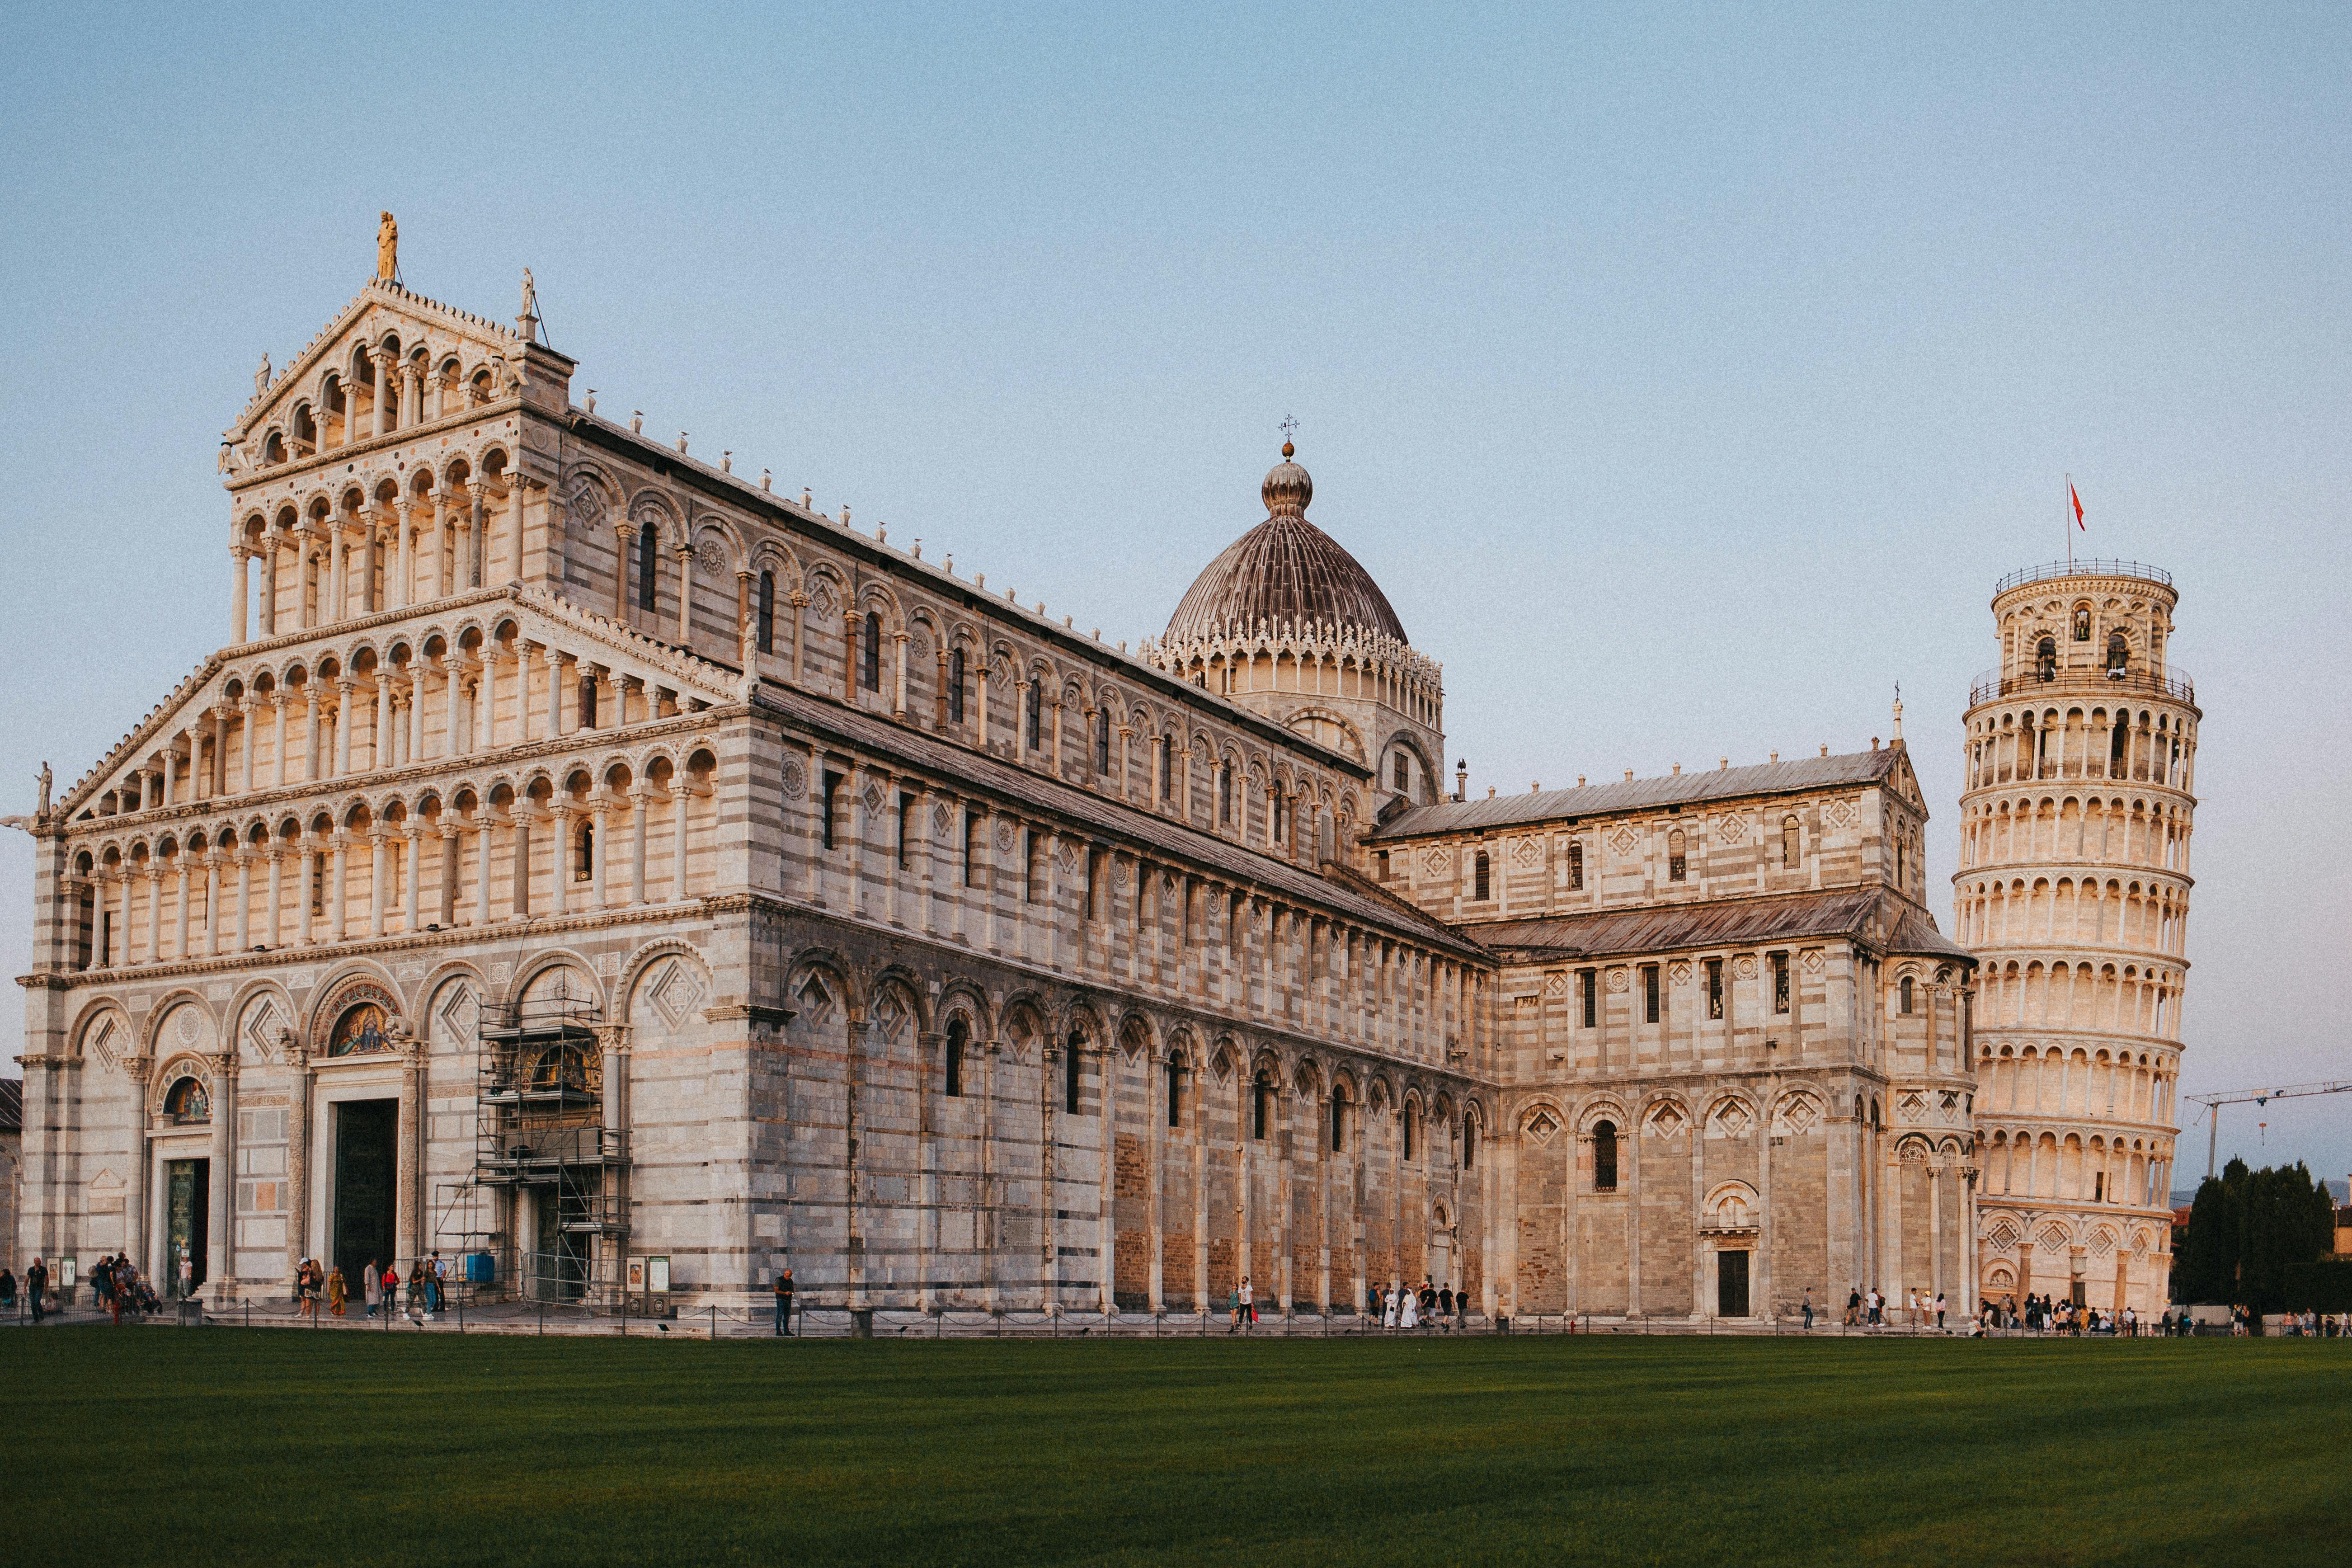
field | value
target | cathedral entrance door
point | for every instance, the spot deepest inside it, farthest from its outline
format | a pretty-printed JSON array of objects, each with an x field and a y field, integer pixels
[
  {"x": 1731, "y": 1284},
  {"x": 367, "y": 1179},
  {"x": 188, "y": 1222}
]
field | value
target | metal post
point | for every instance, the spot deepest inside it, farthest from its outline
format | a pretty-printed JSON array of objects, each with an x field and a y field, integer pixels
[{"x": 2212, "y": 1137}]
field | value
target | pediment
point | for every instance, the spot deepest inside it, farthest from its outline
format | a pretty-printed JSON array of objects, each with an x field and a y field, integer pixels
[{"x": 380, "y": 312}]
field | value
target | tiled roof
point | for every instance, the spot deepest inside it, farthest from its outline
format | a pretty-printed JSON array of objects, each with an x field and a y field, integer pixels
[
  {"x": 1877, "y": 915},
  {"x": 1805, "y": 775}
]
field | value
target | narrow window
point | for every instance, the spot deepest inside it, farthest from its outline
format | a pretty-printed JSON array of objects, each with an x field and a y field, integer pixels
[
  {"x": 1604, "y": 1157},
  {"x": 1338, "y": 1122},
  {"x": 1403, "y": 775},
  {"x": 1469, "y": 1143},
  {"x": 1381, "y": 864},
  {"x": 869, "y": 655},
  {"x": 1676, "y": 864},
  {"x": 1576, "y": 868},
  {"x": 1029, "y": 878},
  {"x": 955, "y": 687},
  {"x": 1780, "y": 983},
  {"x": 587, "y": 701},
  {"x": 1037, "y": 706},
  {"x": 1589, "y": 980},
  {"x": 1650, "y": 992},
  {"x": 905, "y": 826},
  {"x": 1095, "y": 858},
  {"x": 318, "y": 883},
  {"x": 958, "y": 1032},
  {"x": 584, "y": 867},
  {"x": 2118, "y": 652},
  {"x": 975, "y": 841},
  {"x": 1261, "y": 1099},
  {"x": 2119, "y": 736},
  {"x": 830, "y": 804},
  {"x": 1405, "y": 1122},
  {"x": 1479, "y": 876},
  {"x": 2081, "y": 623},
  {"x": 1175, "y": 1091},
  {"x": 767, "y": 623},
  {"x": 1167, "y": 767},
  {"x": 1715, "y": 988},
  {"x": 1073, "y": 1069},
  {"x": 648, "y": 566},
  {"x": 2045, "y": 659},
  {"x": 1102, "y": 742},
  {"x": 1225, "y": 795},
  {"x": 1789, "y": 843},
  {"x": 1907, "y": 995}
]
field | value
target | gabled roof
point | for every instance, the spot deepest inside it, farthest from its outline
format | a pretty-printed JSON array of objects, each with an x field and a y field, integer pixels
[
  {"x": 1887, "y": 765},
  {"x": 377, "y": 293},
  {"x": 1876, "y": 916}
]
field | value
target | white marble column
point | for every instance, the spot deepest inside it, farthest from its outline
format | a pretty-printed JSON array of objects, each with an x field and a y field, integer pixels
[
  {"x": 339, "y": 886},
  {"x": 600, "y": 828},
  {"x": 404, "y": 574},
  {"x": 212, "y": 904},
  {"x": 637, "y": 844},
  {"x": 377, "y": 872},
  {"x": 344, "y": 687},
  {"x": 243, "y": 592},
  {"x": 220, "y": 1254},
  {"x": 680, "y": 824}
]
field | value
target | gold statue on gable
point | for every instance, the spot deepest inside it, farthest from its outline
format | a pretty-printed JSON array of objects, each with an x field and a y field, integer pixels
[{"x": 387, "y": 249}]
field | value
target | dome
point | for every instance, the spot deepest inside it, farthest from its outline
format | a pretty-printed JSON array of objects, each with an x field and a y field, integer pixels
[{"x": 1284, "y": 570}]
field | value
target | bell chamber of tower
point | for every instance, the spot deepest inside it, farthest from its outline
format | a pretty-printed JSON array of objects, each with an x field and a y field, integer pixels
[
  {"x": 1285, "y": 623},
  {"x": 2074, "y": 893}
]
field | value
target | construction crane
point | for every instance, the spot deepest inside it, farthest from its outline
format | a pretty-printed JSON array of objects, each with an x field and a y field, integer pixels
[{"x": 2214, "y": 1103}]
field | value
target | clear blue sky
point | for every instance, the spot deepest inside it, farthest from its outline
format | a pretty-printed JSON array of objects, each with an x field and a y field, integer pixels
[{"x": 1687, "y": 380}]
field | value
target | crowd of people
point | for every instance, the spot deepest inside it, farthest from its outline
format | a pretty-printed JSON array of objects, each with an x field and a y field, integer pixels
[{"x": 320, "y": 1287}]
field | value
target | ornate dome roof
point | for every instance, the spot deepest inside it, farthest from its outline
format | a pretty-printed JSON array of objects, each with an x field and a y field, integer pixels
[{"x": 1284, "y": 570}]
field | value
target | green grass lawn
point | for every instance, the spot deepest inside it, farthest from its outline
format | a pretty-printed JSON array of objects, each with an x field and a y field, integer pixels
[{"x": 237, "y": 1447}]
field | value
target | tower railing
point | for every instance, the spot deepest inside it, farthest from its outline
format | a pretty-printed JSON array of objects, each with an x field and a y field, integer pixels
[
  {"x": 1992, "y": 684},
  {"x": 2139, "y": 569}
]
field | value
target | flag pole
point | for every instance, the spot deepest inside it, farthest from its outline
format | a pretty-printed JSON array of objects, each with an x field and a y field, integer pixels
[{"x": 2067, "y": 522}]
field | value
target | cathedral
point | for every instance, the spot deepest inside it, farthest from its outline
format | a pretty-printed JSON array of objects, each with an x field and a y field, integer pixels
[{"x": 587, "y": 863}]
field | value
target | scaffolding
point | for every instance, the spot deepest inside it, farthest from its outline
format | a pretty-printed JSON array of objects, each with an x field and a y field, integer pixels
[{"x": 542, "y": 1144}]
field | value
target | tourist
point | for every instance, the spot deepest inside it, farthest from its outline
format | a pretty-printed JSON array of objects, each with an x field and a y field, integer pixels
[
  {"x": 1234, "y": 1305},
  {"x": 1388, "y": 1307},
  {"x": 436, "y": 1271},
  {"x": 784, "y": 1302},
  {"x": 1426, "y": 1301},
  {"x": 1372, "y": 1302},
  {"x": 1809, "y": 1311},
  {"x": 1408, "y": 1309},
  {"x": 7, "y": 1291},
  {"x": 1249, "y": 1302},
  {"x": 1853, "y": 1305},
  {"x": 1940, "y": 1308},
  {"x": 187, "y": 1273},
  {"x": 1461, "y": 1309},
  {"x": 1445, "y": 1301},
  {"x": 338, "y": 1295},
  {"x": 371, "y": 1287},
  {"x": 36, "y": 1279}
]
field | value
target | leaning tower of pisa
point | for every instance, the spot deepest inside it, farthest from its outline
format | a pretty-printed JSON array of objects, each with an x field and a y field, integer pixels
[{"x": 2074, "y": 893}]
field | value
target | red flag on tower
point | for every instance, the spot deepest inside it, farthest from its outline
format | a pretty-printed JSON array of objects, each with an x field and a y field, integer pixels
[{"x": 2078, "y": 507}]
